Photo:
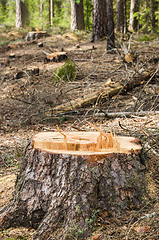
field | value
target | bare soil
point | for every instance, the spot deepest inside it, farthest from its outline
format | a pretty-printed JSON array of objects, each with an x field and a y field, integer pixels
[{"x": 26, "y": 104}]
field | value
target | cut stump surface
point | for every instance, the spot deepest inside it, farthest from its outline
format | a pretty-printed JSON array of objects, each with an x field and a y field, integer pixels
[{"x": 68, "y": 179}]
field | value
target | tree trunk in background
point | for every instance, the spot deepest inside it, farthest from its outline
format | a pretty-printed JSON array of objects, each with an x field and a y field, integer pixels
[
  {"x": 120, "y": 16},
  {"x": 51, "y": 12},
  {"x": 133, "y": 24},
  {"x": 153, "y": 21},
  {"x": 99, "y": 19},
  {"x": 77, "y": 15},
  {"x": 110, "y": 26},
  {"x": 125, "y": 18},
  {"x": 87, "y": 17},
  {"x": 41, "y": 14},
  {"x": 18, "y": 14},
  {"x": 25, "y": 13}
]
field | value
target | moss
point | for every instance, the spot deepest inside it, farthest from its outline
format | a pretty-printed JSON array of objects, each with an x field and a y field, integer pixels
[{"x": 67, "y": 72}]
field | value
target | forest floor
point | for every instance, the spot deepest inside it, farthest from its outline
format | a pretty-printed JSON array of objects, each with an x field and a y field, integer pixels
[{"x": 28, "y": 101}]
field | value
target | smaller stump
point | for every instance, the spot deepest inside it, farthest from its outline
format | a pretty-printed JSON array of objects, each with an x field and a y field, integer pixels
[
  {"x": 55, "y": 57},
  {"x": 36, "y": 35},
  {"x": 68, "y": 178}
]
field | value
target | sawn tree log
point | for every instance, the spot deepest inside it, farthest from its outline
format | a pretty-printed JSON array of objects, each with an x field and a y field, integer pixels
[{"x": 67, "y": 179}]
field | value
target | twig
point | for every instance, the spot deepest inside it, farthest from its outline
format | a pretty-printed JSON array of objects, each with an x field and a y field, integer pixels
[
  {"x": 135, "y": 105},
  {"x": 124, "y": 128},
  {"x": 129, "y": 114}
]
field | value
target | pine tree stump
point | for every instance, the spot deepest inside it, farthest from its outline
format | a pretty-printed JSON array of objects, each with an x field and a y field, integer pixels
[
  {"x": 36, "y": 35},
  {"x": 67, "y": 179},
  {"x": 55, "y": 57}
]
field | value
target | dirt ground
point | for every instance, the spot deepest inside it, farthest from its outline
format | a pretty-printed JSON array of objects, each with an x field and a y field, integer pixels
[{"x": 27, "y": 103}]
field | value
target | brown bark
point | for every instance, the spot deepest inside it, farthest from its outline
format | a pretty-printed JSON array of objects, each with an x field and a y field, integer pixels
[
  {"x": 63, "y": 189},
  {"x": 99, "y": 19},
  {"x": 120, "y": 16},
  {"x": 110, "y": 26},
  {"x": 77, "y": 15},
  {"x": 36, "y": 35}
]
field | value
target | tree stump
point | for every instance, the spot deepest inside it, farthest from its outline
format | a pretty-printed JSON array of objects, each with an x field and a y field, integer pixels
[
  {"x": 55, "y": 57},
  {"x": 36, "y": 35},
  {"x": 67, "y": 179}
]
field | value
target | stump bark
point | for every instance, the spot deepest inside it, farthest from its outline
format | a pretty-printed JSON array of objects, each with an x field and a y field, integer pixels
[
  {"x": 36, "y": 35},
  {"x": 67, "y": 179}
]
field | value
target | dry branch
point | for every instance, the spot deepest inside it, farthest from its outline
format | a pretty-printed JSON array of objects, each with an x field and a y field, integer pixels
[
  {"x": 87, "y": 99},
  {"x": 127, "y": 114}
]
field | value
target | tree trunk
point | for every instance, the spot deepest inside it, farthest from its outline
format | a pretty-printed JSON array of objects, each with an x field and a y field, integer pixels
[
  {"x": 67, "y": 179},
  {"x": 18, "y": 14},
  {"x": 133, "y": 24},
  {"x": 125, "y": 18},
  {"x": 51, "y": 12},
  {"x": 41, "y": 13},
  {"x": 25, "y": 13},
  {"x": 99, "y": 19},
  {"x": 87, "y": 16},
  {"x": 153, "y": 21},
  {"x": 110, "y": 26},
  {"x": 120, "y": 16},
  {"x": 77, "y": 15}
]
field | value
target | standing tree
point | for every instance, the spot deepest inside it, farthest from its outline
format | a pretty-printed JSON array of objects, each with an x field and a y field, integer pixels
[
  {"x": 51, "y": 11},
  {"x": 18, "y": 14},
  {"x": 153, "y": 7},
  {"x": 133, "y": 24},
  {"x": 110, "y": 26},
  {"x": 99, "y": 19},
  {"x": 120, "y": 16},
  {"x": 77, "y": 15}
]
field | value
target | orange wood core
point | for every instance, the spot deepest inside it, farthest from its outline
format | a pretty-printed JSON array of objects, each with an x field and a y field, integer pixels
[{"x": 84, "y": 143}]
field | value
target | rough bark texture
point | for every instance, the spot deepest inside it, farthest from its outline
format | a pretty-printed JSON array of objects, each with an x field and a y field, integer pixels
[
  {"x": 68, "y": 192},
  {"x": 35, "y": 35},
  {"x": 99, "y": 19},
  {"x": 110, "y": 26},
  {"x": 77, "y": 15},
  {"x": 18, "y": 14},
  {"x": 133, "y": 24},
  {"x": 51, "y": 11},
  {"x": 120, "y": 16}
]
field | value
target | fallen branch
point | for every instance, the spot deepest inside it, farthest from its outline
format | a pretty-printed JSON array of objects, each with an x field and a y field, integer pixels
[
  {"x": 128, "y": 114},
  {"x": 140, "y": 79},
  {"x": 87, "y": 99}
]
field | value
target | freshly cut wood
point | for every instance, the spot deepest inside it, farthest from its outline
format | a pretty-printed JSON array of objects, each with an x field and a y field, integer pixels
[
  {"x": 66, "y": 179},
  {"x": 55, "y": 57},
  {"x": 85, "y": 143},
  {"x": 88, "y": 99}
]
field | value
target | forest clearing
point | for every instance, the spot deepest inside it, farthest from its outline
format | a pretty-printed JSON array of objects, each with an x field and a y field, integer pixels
[
  {"x": 79, "y": 120},
  {"x": 29, "y": 105}
]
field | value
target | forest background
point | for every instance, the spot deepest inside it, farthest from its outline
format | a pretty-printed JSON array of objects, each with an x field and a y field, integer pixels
[{"x": 134, "y": 15}]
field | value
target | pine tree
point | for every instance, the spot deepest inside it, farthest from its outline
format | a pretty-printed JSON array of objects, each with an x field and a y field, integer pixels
[
  {"x": 110, "y": 26},
  {"x": 77, "y": 15},
  {"x": 99, "y": 19}
]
